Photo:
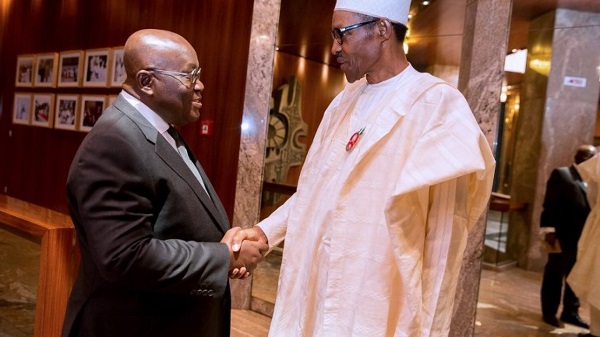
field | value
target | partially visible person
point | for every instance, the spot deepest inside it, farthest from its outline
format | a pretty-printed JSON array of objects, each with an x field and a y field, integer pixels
[
  {"x": 565, "y": 210},
  {"x": 397, "y": 174},
  {"x": 154, "y": 238},
  {"x": 584, "y": 278}
]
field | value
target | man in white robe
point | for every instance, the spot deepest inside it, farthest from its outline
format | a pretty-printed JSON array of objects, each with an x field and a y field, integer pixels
[
  {"x": 397, "y": 174},
  {"x": 584, "y": 278}
]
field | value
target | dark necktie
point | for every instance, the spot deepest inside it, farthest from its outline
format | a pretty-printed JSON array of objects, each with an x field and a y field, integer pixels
[{"x": 183, "y": 152}]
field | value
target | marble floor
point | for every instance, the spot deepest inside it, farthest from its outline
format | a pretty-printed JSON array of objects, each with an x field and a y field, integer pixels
[
  {"x": 508, "y": 307},
  {"x": 508, "y": 301}
]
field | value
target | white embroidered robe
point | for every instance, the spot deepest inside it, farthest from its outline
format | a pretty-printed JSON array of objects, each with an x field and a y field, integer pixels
[{"x": 374, "y": 237}]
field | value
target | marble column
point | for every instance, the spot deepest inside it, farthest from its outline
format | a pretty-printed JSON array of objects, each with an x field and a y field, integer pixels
[
  {"x": 485, "y": 41},
  {"x": 556, "y": 116},
  {"x": 259, "y": 83}
]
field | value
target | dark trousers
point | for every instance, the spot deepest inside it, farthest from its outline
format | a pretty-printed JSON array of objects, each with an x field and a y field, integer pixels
[{"x": 557, "y": 269}]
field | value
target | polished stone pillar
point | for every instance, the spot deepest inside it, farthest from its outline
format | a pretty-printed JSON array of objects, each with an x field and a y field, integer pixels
[
  {"x": 259, "y": 83},
  {"x": 485, "y": 41},
  {"x": 559, "y": 102}
]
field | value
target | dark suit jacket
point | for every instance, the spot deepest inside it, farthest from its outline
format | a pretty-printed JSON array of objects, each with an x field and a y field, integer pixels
[
  {"x": 151, "y": 261},
  {"x": 565, "y": 206}
]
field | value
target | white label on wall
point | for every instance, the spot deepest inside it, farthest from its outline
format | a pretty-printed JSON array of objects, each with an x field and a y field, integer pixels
[{"x": 575, "y": 81}]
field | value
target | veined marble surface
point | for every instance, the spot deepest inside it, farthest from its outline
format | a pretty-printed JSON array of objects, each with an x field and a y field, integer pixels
[
  {"x": 554, "y": 118},
  {"x": 259, "y": 83}
]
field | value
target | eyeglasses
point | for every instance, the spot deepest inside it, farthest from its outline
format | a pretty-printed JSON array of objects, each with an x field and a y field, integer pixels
[
  {"x": 193, "y": 75},
  {"x": 338, "y": 33}
]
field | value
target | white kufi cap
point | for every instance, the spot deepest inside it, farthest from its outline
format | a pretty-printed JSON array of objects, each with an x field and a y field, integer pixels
[{"x": 395, "y": 10}]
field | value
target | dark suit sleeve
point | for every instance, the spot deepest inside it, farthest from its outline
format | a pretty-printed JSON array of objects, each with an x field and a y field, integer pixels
[
  {"x": 552, "y": 200},
  {"x": 116, "y": 196}
]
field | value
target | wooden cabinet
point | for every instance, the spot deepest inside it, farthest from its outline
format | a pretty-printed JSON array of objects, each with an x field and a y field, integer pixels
[{"x": 58, "y": 258}]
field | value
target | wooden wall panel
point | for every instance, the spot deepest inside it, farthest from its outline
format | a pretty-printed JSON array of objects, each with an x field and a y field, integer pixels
[{"x": 34, "y": 161}]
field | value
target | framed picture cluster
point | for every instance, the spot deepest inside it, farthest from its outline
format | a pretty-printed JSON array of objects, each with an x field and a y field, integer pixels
[
  {"x": 92, "y": 68},
  {"x": 59, "y": 111},
  {"x": 75, "y": 68}
]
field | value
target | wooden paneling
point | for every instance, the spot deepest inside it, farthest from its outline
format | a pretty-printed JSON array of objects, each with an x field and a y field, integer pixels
[
  {"x": 34, "y": 161},
  {"x": 436, "y": 30},
  {"x": 305, "y": 29}
]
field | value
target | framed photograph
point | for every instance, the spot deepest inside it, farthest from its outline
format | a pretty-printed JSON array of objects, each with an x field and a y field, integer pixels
[
  {"x": 91, "y": 109},
  {"x": 22, "y": 108},
  {"x": 42, "y": 110},
  {"x": 96, "y": 69},
  {"x": 45, "y": 70},
  {"x": 117, "y": 74},
  {"x": 66, "y": 112},
  {"x": 24, "y": 76},
  {"x": 69, "y": 68}
]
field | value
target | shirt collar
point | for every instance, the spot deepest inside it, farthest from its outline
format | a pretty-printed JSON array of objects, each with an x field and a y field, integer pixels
[{"x": 159, "y": 124}]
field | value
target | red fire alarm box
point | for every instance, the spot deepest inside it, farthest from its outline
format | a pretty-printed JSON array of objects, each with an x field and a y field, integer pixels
[{"x": 206, "y": 127}]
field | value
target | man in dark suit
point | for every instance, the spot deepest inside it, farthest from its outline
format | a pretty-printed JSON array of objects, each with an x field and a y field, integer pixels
[
  {"x": 154, "y": 238},
  {"x": 565, "y": 210}
]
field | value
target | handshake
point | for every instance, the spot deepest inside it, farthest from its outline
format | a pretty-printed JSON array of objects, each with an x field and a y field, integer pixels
[{"x": 247, "y": 247}]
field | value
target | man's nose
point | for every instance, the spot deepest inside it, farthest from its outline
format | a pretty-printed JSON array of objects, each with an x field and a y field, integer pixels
[
  {"x": 335, "y": 47},
  {"x": 198, "y": 86}
]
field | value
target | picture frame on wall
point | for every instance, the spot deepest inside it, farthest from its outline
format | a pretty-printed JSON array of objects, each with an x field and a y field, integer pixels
[
  {"x": 25, "y": 65},
  {"x": 42, "y": 110},
  {"x": 90, "y": 110},
  {"x": 22, "y": 108},
  {"x": 69, "y": 68},
  {"x": 97, "y": 68},
  {"x": 46, "y": 66},
  {"x": 117, "y": 74},
  {"x": 66, "y": 109}
]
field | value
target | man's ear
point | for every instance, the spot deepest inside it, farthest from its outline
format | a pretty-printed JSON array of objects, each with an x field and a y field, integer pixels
[
  {"x": 385, "y": 28},
  {"x": 144, "y": 80}
]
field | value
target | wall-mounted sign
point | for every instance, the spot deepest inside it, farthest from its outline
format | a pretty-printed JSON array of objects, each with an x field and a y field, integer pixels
[{"x": 571, "y": 81}]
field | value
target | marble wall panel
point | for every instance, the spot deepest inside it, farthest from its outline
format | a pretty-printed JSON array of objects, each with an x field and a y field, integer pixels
[
  {"x": 485, "y": 42},
  {"x": 259, "y": 85},
  {"x": 555, "y": 118},
  {"x": 524, "y": 182}
]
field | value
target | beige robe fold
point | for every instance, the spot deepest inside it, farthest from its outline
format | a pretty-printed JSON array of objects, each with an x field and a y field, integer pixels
[
  {"x": 374, "y": 237},
  {"x": 584, "y": 278}
]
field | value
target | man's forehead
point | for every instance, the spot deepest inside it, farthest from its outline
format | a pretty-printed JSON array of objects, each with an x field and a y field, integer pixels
[{"x": 341, "y": 18}]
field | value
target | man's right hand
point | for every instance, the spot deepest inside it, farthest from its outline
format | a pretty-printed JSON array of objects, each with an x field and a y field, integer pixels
[
  {"x": 244, "y": 259},
  {"x": 254, "y": 234}
]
